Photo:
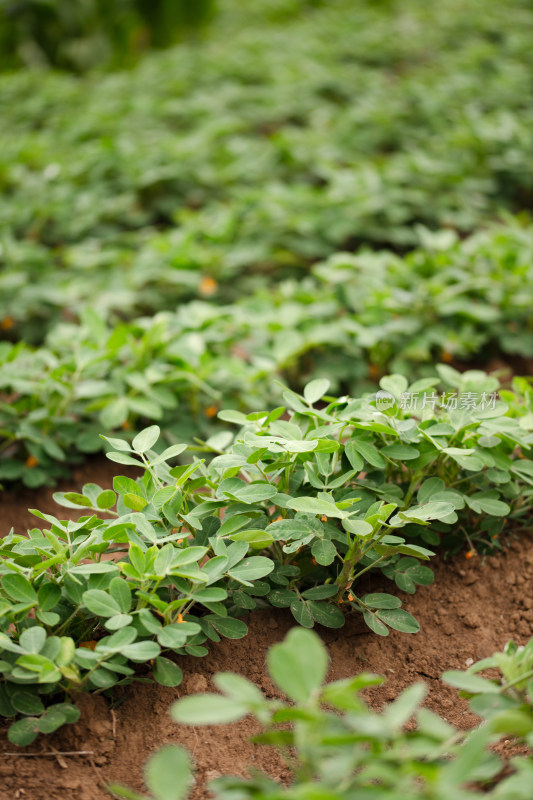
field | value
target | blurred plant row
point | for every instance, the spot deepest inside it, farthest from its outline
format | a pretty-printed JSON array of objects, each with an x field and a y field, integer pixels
[
  {"x": 352, "y": 319},
  {"x": 213, "y": 186},
  {"x": 335, "y": 746},
  {"x": 272, "y": 142},
  {"x": 92, "y": 33}
]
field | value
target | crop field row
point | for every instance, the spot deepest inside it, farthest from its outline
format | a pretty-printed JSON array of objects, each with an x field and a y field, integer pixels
[{"x": 281, "y": 276}]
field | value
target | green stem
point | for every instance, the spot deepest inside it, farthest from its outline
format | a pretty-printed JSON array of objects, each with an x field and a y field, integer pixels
[
  {"x": 521, "y": 678},
  {"x": 67, "y": 621},
  {"x": 353, "y": 557},
  {"x": 411, "y": 489},
  {"x": 87, "y": 676},
  {"x": 370, "y": 566}
]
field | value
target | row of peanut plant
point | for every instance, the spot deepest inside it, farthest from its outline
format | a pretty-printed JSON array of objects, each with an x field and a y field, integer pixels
[
  {"x": 353, "y": 319},
  {"x": 205, "y": 158},
  {"x": 335, "y": 746},
  {"x": 291, "y": 511}
]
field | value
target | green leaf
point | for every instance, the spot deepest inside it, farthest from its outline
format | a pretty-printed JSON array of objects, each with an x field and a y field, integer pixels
[
  {"x": 72, "y": 499},
  {"x": 299, "y": 664},
  {"x": 359, "y": 527},
  {"x": 33, "y": 639},
  {"x": 122, "y": 458},
  {"x": 375, "y": 624},
  {"x": 282, "y": 598},
  {"x": 239, "y": 688},
  {"x": 429, "y": 487},
  {"x": 252, "y": 569},
  {"x": 407, "y": 572},
  {"x": 118, "y": 621},
  {"x": 320, "y": 592},
  {"x": 170, "y": 452},
  {"x": 212, "y": 594},
  {"x": 473, "y": 684},
  {"x": 70, "y": 712},
  {"x": 141, "y": 651},
  {"x": 326, "y": 614},
  {"x": 51, "y": 721},
  {"x": 301, "y": 613},
  {"x": 19, "y": 588},
  {"x": 7, "y": 643},
  {"x": 97, "y": 568},
  {"x": 106, "y": 499},
  {"x": 487, "y": 705},
  {"x": 324, "y": 551},
  {"x": 314, "y": 505},
  {"x": 117, "y": 444},
  {"x": 187, "y": 555},
  {"x": 229, "y": 415},
  {"x": 399, "y": 619},
  {"x": 316, "y": 389},
  {"x": 173, "y": 636},
  {"x": 66, "y": 651},
  {"x": 380, "y": 600},
  {"x": 196, "y": 650},
  {"x": 229, "y": 627},
  {"x": 120, "y": 591},
  {"x": 146, "y": 439},
  {"x": 207, "y": 709},
  {"x": 35, "y": 662},
  {"x": 489, "y": 505},
  {"x": 163, "y": 559},
  {"x": 6, "y": 707},
  {"x": 400, "y": 452},
  {"x": 402, "y": 709},
  {"x": 257, "y": 539},
  {"x": 370, "y": 453},
  {"x": 103, "y": 679},
  {"x": 354, "y": 456},
  {"x": 23, "y": 732},
  {"x": 163, "y": 495},
  {"x": 300, "y": 445},
  {"x": 243, "y": 600},
  {"x": 115, "y": 643},
  {"x": 513, "y": 722},
  {"x": 145, "y": 407},
  {"x": 134, "y": 501},
  {"x": 166, "y": 672},
  {"x": 48, "y": 596},
  {"x": 124, "y": 485},
  {"x": 49, "y": 618},
  {"x": 427, "y": 511},
  {"x": 26, "y": 703},
  {"x": 255, "y": 492},
  {"x": 100, "y": 603},
  {"x": 114, "y": 414},
  {"x": 394, "y": 384},
  {"x": 168, "y": 773},
  {"x": 233, "y": 524}
]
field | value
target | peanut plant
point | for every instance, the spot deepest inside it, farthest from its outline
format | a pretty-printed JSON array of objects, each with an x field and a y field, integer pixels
[{"x": 290, "y": 512}]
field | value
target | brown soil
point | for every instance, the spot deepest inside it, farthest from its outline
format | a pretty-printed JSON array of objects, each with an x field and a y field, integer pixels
[{"x": 473, "y": 608}]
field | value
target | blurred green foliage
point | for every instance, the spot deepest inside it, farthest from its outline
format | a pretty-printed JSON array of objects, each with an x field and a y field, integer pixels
[
  {"x": 83, "y": 34},
  {"x": 310, "y": 189}
]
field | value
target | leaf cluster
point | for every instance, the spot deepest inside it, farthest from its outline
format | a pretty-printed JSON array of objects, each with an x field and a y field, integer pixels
[
  {"x": 343, "y": 323},
  {"x": 387, "y": 131},
  {"x": 292, "y": 513}
]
